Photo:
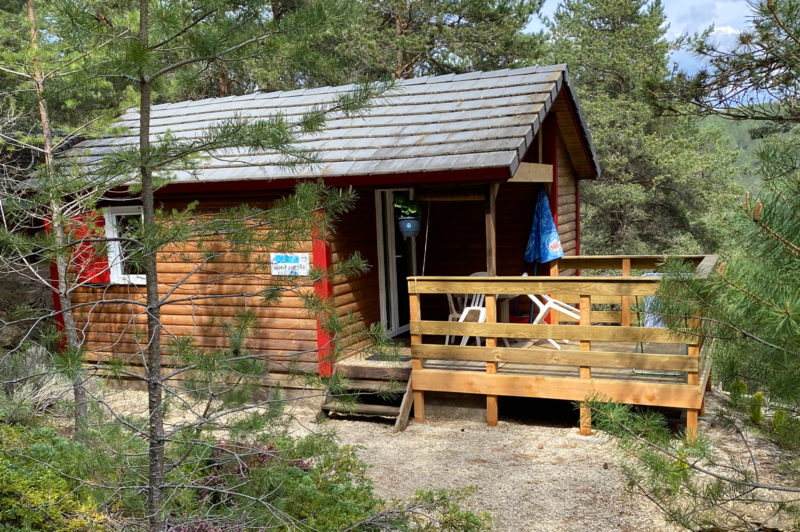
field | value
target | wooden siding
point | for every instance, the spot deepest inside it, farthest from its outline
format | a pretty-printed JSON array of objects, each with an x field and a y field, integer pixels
[
  {"x": 567, "y": 200},
  {"x": 357, "y": 296},
  {"x": 118, "y": 330},
  {"x": 572, "y": 138}
]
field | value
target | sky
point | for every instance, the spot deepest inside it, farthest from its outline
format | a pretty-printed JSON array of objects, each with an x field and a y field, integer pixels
[{"x": 729, "y": 17}]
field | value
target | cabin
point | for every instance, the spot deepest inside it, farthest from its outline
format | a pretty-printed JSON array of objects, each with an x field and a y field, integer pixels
[{"x": 474, "y": 150}]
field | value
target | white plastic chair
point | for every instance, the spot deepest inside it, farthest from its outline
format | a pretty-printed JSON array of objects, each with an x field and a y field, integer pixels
[
  {"x": 473, "y": 305},
  {"x": 545, "y": 304},
  {"x": 455, "y": 305},
  {"x": 476, "y": 310}
]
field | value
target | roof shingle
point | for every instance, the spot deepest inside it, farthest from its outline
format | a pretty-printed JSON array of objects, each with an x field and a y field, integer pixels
[{"x": 453, "y": 122}]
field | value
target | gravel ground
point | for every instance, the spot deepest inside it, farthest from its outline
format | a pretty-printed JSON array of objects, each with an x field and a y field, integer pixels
[
  {"x": 528, "y": 477},
  {"x": 531, "y": 472}
]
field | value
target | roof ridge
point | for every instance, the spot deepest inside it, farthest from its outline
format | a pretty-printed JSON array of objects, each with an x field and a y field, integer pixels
[{"x": 442, "y": 78}]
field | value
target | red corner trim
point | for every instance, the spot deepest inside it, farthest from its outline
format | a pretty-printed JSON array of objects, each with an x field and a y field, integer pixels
[
  {"x": 59, "y": 318},
  {"x": 321, "y": 257},
  {"x": 577, "y": 218}
]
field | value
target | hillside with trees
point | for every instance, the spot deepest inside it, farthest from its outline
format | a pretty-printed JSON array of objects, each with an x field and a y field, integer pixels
[{"x": 746, "y": 138}]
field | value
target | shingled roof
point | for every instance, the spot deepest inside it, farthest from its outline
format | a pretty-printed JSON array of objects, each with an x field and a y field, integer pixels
[{"x": 478, "y": 120}]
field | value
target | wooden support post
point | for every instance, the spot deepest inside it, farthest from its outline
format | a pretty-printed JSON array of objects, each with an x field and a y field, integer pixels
[
  {"x": 554, "y": 273},
  {"x": 416, "y": 363},
  {"x": 491, "y": 229},
  {"x": 540, "y": 146},
  {"x": 693, "y": 379},
  {"x": 491, "y": 367},
  {"x": 585, "y": 371},
  {"x": 625, "y": 316},
  {"x": 491, "y": 299},
  {"x": 691, "y": 424}
]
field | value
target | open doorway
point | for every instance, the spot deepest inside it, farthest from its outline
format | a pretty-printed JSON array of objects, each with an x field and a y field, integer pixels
[{"x": 396, "y": 261}]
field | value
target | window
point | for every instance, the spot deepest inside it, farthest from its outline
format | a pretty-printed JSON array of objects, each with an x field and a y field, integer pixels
[{"x": 121, "y": 223}]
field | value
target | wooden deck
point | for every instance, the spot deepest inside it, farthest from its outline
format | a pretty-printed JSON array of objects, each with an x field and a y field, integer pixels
[{"x": 603, "y": 356}]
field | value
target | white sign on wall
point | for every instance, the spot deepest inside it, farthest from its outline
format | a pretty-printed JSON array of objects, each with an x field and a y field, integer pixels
[{"x": 290, "y": 263}]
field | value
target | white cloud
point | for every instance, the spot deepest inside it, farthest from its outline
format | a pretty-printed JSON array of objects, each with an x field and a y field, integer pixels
[{"x": 725, "y": 30}]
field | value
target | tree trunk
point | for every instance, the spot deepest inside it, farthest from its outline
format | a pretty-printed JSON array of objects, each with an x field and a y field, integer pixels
[
  {"x": 62, "y": 291},
  {"x": 223, "y": 80},
  {"x": 399, "y": 61},
  {"x": 154, "y": 384}
]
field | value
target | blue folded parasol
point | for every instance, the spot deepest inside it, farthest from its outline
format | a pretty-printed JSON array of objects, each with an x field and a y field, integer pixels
[{"x": 544, "y": 244}]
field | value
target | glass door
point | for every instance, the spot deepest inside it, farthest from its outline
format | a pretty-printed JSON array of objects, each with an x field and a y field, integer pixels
[{"x": 397, "y": 260}]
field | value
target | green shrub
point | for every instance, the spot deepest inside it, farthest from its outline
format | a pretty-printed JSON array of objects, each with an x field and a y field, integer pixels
[
  {"x": 33, "y": 494},
  {"x": 310, "y": 480},
  {"x": 786, "y": 428},
  {"x": 327, "y": 492},
  {"x": 738, "y": 390},
  {"x": 756, "y": 408},
  {"x": 276, "y": 482}
]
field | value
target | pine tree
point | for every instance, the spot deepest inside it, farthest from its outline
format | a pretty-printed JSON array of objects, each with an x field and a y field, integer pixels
[
  {"x": 369, "y": 41},
  {"x": 754, "y": 299},
  {"x": 146, "y": 46},
  {"x": 755, "y": 80},
  {"x": 664, "y": 179},
  {"x": 39, "y": 75},
  {"x": 750, "y": 304}
]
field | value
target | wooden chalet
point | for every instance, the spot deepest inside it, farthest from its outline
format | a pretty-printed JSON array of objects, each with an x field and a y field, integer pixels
[{"x": 473, "y": 150}]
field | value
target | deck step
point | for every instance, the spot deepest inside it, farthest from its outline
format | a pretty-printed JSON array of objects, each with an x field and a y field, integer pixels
[
  {"x": 362, "y": 385},
  {"x": 361, "y": 408},
  {"x": 371, "y": 398}
]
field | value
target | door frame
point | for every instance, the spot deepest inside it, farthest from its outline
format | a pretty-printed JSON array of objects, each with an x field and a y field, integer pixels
[{"x": 385, "y": 218}]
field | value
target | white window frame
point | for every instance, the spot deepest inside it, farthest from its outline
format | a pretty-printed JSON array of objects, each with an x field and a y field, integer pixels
[{"x": 115, "y": 259}]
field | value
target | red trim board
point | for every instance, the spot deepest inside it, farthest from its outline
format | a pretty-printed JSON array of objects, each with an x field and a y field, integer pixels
[{"x": 321, "y": 257}]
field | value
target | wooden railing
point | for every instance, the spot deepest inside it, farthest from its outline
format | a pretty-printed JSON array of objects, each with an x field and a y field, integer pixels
[{"x": 607, "y": 354}]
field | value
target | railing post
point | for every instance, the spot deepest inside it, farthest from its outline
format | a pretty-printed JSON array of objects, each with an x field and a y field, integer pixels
[
  {"x": 693, "y": 379},
  {"x": 416, "y": 363},
  {"x": 585, "y": 371},
  {"x": 491, "y": 367},
  {"x": 625, "y": 311}
]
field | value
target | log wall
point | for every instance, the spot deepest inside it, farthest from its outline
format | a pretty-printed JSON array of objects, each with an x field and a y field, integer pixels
[{"x": 207, "y": 298}]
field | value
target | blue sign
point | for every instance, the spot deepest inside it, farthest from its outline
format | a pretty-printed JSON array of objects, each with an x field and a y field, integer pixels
[{"x": 290, "y": 263}]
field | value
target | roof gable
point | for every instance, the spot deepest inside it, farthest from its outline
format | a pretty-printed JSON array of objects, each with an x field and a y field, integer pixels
[{"x": 443, "y": 123}]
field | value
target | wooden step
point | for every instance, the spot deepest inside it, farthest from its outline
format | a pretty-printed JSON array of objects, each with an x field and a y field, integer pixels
[
  {"x": 360, "y": 385},
  {"x": 400, "y": 413},
  {"x": 361, "y": 408}
]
